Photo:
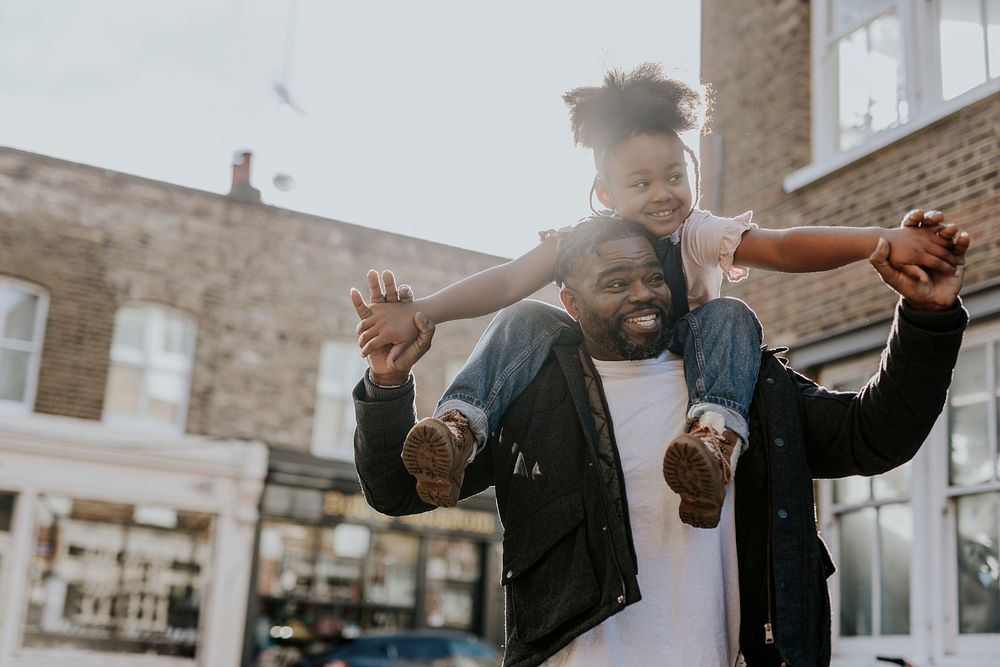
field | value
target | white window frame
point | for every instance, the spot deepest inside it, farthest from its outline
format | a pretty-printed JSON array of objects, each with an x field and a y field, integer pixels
[
  {"x": 343, "y": 450},
  {"x": 922, "y": 64},
  {"x": 34, "y": 348},
  {"x": 143, "y": 364},
  {"x": 953, "y": 642},
  {"x": 933, "y": 564},
  {"x": 866, "y": 647}
]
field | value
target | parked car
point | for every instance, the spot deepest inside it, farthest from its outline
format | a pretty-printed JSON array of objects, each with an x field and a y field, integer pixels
[{"x": 418, "y": 648}]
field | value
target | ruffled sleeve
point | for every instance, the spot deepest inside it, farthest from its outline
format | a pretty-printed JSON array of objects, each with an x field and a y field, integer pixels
[
  {"x": 732, "y": 233},
  {"x": 709, "y": 243}
]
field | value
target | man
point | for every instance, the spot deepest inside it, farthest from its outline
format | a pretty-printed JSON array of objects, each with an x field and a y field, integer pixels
[{"x": 597, "y": 568}]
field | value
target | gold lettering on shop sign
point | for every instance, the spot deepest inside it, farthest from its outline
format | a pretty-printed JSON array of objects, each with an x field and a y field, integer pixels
[{"x": 354, "y": 508}]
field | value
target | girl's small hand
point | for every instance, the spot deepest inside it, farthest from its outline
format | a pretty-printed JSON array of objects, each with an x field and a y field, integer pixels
[
  {"x": 389, "y": 324},
  {"x": 389, "y": 318},
  {"x": 920, "y": 218},
  {"x": 914, "y": 250}
]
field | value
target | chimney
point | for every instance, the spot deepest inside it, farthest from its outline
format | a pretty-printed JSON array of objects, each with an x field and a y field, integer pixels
[{"x": 241, "y": 189}]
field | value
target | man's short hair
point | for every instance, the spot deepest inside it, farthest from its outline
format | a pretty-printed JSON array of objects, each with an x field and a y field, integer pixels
[{"x": 579, "y": 243}]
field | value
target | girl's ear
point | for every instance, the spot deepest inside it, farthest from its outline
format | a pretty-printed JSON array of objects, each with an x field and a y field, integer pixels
[
  {"x": 602, "y": 194},
  {"x": 568, "y": 298}
]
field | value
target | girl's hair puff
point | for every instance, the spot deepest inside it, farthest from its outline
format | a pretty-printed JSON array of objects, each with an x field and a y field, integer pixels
[{"x": 641, "y": 101}]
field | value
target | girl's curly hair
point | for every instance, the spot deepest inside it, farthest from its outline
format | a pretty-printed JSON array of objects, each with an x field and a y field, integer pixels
[{"x": 642, "y": 100}]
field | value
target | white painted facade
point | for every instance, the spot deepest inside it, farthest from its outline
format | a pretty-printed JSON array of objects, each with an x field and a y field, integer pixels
[{"x": 46, "y": 457}]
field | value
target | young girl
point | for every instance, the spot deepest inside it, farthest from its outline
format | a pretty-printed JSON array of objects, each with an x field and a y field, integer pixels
[{"x": 632, "y": 125}]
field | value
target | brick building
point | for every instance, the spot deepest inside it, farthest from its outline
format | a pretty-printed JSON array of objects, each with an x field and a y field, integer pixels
[
  {"x": 156, "y": 338},
  {"x": 835, "y": 112}
]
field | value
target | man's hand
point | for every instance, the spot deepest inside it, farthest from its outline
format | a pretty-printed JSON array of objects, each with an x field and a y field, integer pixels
[
  {"x": 390, "y": 322},
  {"x": 391, "y": 364},
  {"x": 936, "y": 290}
]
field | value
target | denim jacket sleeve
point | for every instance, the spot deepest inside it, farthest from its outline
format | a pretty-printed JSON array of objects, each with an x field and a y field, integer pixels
[{"x": 884, "y": 424}]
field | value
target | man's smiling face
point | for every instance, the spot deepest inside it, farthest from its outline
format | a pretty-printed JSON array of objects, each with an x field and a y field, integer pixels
[{"x": 621, "y": 299}]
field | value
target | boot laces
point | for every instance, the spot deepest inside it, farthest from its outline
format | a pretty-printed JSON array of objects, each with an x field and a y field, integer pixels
[{"x": 717, "y": 445}]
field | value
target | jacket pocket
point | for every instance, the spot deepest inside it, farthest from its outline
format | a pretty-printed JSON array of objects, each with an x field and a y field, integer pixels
[{"x": 547, "y": 569}]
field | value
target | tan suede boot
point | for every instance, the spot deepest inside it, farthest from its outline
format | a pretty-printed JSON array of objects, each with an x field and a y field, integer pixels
[
  {"x": 697, "y": 466},
  {"x": 436, "y": 452}
]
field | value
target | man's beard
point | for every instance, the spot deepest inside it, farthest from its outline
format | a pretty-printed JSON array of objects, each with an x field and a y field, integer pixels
[{"x": 610, "y": 335}]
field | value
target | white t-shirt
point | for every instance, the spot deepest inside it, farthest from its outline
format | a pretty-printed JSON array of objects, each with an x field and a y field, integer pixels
[{"x": 689, "y": 612}]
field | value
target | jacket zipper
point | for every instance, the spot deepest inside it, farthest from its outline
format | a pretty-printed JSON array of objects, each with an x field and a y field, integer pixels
[
  {"x": 621, "y": 485},
  {"x": 769, "y": 625}
]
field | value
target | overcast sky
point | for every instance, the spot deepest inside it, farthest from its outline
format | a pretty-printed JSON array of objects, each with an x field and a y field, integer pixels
[{"x": 442, "y": 120}]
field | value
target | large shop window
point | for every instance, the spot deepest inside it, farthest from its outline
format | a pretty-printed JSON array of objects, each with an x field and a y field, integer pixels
[
  {"x": 884, "y": 64},
  {"x": 22, "y": 328},
  {"x": 150, "y": 376},
  {"x": 115, "y": 577},
  {"x": 340, "y": 368},
  {"x": 322, "y": 583}
]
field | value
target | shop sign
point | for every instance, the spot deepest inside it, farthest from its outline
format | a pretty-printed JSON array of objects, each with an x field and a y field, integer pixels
[{"x": 354, "y": 507}]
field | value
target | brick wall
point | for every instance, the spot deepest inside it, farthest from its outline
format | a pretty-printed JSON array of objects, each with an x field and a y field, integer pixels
[
  {"x": 266, "y": 287},
  {"x": 757, "y": 56}
]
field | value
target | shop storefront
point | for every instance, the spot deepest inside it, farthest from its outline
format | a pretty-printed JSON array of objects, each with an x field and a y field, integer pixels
[
  {"x": 121, "y": 549},
  {"x": 328, "y": 566}
]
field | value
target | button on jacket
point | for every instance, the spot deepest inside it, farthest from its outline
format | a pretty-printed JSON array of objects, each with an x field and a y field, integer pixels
[{"x": 568, "y": 558}]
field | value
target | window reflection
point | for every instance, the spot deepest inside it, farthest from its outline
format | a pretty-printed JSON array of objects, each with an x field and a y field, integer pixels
[
  {"x": 871, "y": 88},
  {"x": 13, "y": 374},
  {"x": 340, "y": 368},
  {"x": 151, "y": 359},
  {"x": 17, "y": 314},
  {"x": 391, "y": 576},
  {"x": 896, "y": 542},
  {"x": 851, "y": 490},
  {"x": 857, "y": 540},
  {"x": 286, "y": 555},
  {"x": 894, "y": 484},
  {"x": 20, "y": 340},
  {"x": 963, "y": 49},
  {"x": 340, "y": 561},
  {"x": 978, "y": 563},
  {"x": 453, "y": 568},
  {"x": 114, "y": 577},
  {"x": 972, "y": 456},
  {"x": 319, "y": 582}
]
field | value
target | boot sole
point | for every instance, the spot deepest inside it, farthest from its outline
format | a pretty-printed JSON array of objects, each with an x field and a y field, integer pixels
[
  {"x": 427, "y": 456},
  {"x": 691, "y": 471}
]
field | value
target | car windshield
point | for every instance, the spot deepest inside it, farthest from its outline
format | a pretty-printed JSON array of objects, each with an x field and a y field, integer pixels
[{"x": 472, "y": 649}]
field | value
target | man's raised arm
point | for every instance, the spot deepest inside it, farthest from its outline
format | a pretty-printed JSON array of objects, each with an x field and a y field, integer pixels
[
  {"x": 383, "y": 404},
  {"x": 886, "y": 422}
]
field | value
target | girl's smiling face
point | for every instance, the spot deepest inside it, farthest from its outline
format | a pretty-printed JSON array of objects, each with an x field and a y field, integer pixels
[{"x": 645, "y": 180}]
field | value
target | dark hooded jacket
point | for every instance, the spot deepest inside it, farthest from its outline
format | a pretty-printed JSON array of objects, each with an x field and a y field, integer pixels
[{"x": 568, "y": 558}]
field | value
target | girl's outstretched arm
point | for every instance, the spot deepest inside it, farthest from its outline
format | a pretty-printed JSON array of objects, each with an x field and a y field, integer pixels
[
  {"x": 479, "y": 294},
  {"x": 915, "y": 244}
]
